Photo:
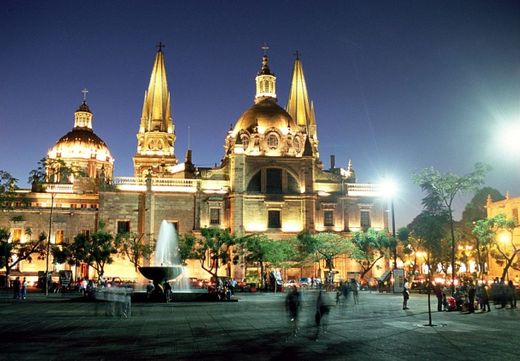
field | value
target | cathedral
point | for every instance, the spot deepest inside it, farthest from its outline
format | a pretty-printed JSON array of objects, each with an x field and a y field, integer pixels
[{"x": 271, "y": 180}]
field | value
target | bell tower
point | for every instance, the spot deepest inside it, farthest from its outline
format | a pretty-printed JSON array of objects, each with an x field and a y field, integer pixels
[{"x": 156, "y": 137}]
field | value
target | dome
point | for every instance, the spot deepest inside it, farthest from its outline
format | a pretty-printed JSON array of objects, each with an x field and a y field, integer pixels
[
  {"x": 265, "y": 114},
  {"x": 81, "y": 143}
]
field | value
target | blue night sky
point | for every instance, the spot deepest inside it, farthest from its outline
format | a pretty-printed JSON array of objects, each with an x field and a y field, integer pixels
[{"x": 397, "y": 85}]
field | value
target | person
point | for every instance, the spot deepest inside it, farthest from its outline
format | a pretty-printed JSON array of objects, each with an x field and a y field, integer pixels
[
  {"x": 355, "y": 290},
  {"x": 167, "y": 291},
  {"x": 471, "y": 297},
  {"x": 511, "y": 294},
  {"x": 293, "y": 304},
  {"x": 406, "y": 294},
  {"x": 16, "y": 288},
  {"x": 438, "y": 293},
  {"x": 83, "y": 288},
  {"x": 24, "y": 289},
  {"x": 320, "y": 317},
  {"x": 149, "y": 289},
  {"x": 484, "y": 299}
]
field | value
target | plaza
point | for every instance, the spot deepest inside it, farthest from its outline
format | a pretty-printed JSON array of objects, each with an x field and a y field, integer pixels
[{"x": 65, "y": 327}]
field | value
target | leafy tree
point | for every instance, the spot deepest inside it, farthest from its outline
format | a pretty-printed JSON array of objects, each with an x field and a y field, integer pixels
[
  {"x": 402, "y": 236},
  {"x": 262, "y": 250},
  {"x": 186, "y": 243},
  {"x": 132, "y": 246},
  {"x": 96, "y": 250},
  {"x": 326, "y": 246},
  {"x": 215, "y": 246},
  {"x": 476, "y": 208},
  {"x": 504, "y": 250},
  {"x": 7, "y": 189},
  {"x": 53, "y": 171},
  {"x": 442, "y": 189},
  {"x": 13, "y": 252},
  {"x": 428, "y": 230},
  {"x": 369, "y": 247}
]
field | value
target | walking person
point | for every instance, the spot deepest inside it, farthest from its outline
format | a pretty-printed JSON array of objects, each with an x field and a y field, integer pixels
[
  {"x": 511, "y": 294},
  {"x": 438, "y": 293},
  {"x": 406, "y": 294},
  {"x": 471, "y": 298},
  {"x": 320, "y": 317},
  {"x": 16, "y": 288},
  {"x": 293, "y": 304},
  {"x": 355, "y": 290},
  {"x": 23, "y": 294},
  {"x": 484, "y": 299}
]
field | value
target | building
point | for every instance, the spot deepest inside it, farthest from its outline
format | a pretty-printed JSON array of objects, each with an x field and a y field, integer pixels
[
  {"x": 509, "y": 207},
  {"x": 271, "y": 179}
]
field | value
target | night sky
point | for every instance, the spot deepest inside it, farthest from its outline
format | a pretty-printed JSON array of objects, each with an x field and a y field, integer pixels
[{"x": 397, "y": 85}]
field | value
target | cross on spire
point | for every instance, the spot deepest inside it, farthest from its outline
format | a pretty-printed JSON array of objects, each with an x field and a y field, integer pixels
[
  {"x": 84, "y": 91},
  {"x": 160, "y": 46},
  {"x": 265, "y": 47},
  {"x": 297, "y": 54}
]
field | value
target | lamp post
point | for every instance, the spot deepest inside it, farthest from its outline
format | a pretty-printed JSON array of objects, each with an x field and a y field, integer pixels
[
  {"x": 389, "y": 189},
  {"x": 48, "y": 247}
]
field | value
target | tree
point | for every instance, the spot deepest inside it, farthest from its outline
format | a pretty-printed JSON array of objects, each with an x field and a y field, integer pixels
[
  {"x": 96, "y": 250},
  {"x": 326, "y": 246},
  {"x": 261, "y": 249},
  {"x": 214, "y": 245},
  {"x": 131, "y": 246},
  {"x": 186, "y": 243},
  {"x": 442, "y": 189},
  {"x": 369, "y": 247},
  {"x": 428, "y": 230},
  {"x": 13, "y": 252},
  {"x": 7, "y": 189},
  {"x": 476, "y": 208},
  {"x": 53, "y": 171},
  {"x": 496, "y": 235},
  {"x": 403, "y": 235}
]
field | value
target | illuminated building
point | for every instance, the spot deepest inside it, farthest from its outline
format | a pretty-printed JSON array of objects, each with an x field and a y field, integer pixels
[
  {"x": 270, "y": 180},
  {"x": 509, "y": 207}
]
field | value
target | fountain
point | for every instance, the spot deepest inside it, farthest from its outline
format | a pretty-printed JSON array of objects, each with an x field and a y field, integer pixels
[{"x": 166, "y": 267}]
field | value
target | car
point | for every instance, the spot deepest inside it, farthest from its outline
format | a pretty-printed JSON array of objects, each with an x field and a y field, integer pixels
[
  {"x": 290, "y": 283},
  {"x": 305, "y": 282}
]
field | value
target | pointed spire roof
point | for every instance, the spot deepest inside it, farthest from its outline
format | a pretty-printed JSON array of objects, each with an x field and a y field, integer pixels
[
  {"x": 156, "y": 114},
  {"x": 298, "y": 105}
]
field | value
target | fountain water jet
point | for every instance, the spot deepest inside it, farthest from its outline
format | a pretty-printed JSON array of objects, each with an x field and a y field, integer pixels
[{"x": 166, "y": 265}]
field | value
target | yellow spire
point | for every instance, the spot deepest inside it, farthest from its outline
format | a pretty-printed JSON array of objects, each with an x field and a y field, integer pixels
[
  {"x": 298, "y": 105},
  {"x": 156, "y": 136},
  {"x": 156, "y": 114}
]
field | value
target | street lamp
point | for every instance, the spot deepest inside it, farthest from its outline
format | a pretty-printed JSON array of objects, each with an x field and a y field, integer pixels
[
  {"x": 389, "y": 190},
  {"x": 48, "y": 246}
]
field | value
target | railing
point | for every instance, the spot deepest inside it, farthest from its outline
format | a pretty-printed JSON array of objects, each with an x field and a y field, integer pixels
[
  {"x": 158, "y": 184},
  {"x": 366, "y": 189},
  {"x": 58, "y": 188}
]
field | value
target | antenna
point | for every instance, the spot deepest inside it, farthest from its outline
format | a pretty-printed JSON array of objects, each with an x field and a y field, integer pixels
[{"x": 189, "y": 136}]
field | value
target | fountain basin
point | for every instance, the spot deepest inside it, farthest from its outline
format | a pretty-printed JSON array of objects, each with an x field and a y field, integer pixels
[{"x": 160, "y": 274}]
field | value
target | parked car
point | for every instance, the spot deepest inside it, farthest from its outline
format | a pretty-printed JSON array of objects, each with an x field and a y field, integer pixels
[
  {"x": 290, "y": 283},
  {"x": 305, "y": 282}
]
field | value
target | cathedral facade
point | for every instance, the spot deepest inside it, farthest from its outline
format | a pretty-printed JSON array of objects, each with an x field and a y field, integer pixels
[{"x": 271, "y": 179}]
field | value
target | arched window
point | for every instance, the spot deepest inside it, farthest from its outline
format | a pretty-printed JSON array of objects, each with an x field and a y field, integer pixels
[
  {"x": 292, "y": 184},
  {"x": 272, "y": 141},
  {"x": 255, "y": 184},
  {"x": 273, "y": 181}
]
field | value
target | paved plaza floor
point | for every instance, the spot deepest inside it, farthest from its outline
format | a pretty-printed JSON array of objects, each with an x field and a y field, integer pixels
[{"x": 254, "y": 328}]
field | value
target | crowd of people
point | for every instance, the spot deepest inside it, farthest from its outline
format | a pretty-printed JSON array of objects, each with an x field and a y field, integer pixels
[{"x": 471, "y": 295}]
